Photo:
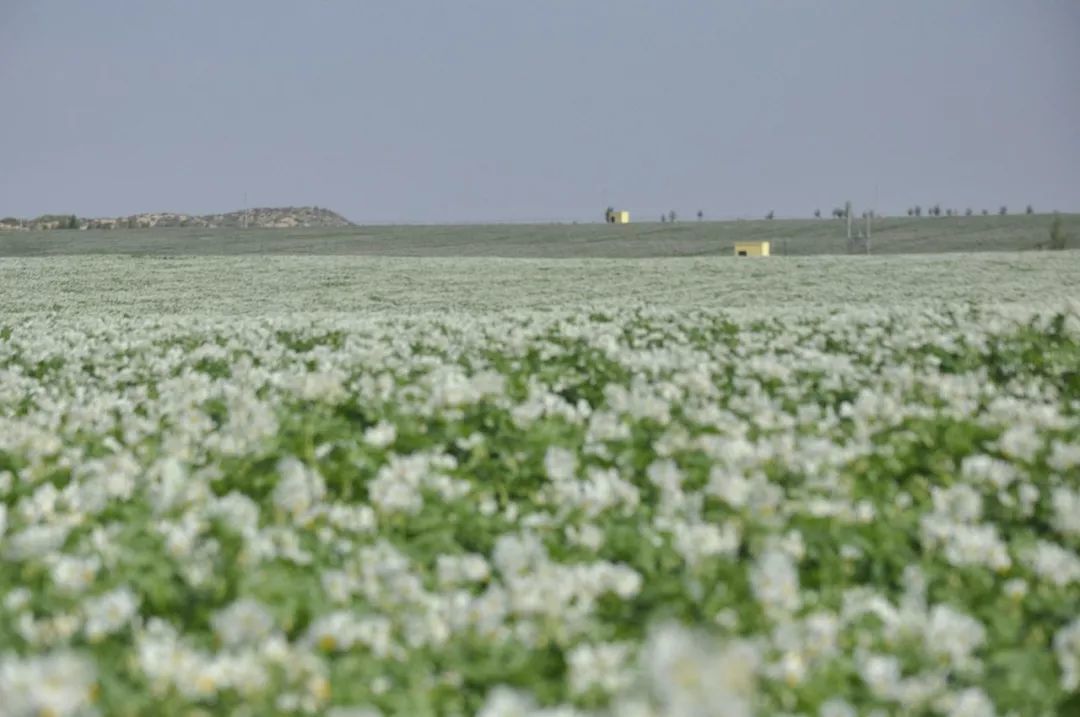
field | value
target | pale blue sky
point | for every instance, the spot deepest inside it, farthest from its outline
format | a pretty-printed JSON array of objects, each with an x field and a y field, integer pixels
[{"x": 546, "y": 110}]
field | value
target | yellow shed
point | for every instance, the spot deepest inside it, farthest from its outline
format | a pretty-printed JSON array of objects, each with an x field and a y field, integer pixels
[
  {"x": 752, "y": 248},
  {"x": 620, "y": 217}
]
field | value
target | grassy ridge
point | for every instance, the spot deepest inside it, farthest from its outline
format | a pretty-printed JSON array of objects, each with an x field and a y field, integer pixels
[{"x": 796, "y": 237}]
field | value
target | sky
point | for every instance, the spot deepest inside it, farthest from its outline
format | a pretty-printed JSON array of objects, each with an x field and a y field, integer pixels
[{"x": 429, "y": 111}]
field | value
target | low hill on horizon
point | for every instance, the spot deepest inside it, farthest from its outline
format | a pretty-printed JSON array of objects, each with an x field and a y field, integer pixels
[{"x": 256, "y": 218}]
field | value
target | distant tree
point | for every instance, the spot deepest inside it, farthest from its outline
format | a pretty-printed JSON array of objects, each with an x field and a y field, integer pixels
[
  {"x": 948, "y": 212},
  {"x": 1029, "y": 210},
  {"x": 839, "y": 213},
  {"x": 986, "y": 212},
  {"x": 817, "y": 214},
  {"x": 968, "y": 212},
  {"x": 1004, "y": 210},
  {"x": 663, "y": 218},
  {"x": 770, "y": 215},
  {"x": 910, "y": 212},
  {"x": 918, "y": 210},
  {"x": 672, "y": 216},
  {"x": 1057, "y": 237},
  {"x": 700, "y": 215},
  {"x": 609, "y": 215},
  {"x": 936, "y": 210}
]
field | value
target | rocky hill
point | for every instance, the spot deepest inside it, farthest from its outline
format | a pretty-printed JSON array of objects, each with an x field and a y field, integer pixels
[{"x": 260, "y": 218}]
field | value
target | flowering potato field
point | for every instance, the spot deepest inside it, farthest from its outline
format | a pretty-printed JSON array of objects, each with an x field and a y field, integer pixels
[
  {"x": 796, "y": 508},
  {"x": 273, "y": 285}
]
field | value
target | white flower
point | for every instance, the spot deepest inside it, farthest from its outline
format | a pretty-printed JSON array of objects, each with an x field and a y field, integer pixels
[
  {"x": 690, "y": 674},
  {"x": 458, "y": 569},
  {"x": 1064, "y": 456},
  {"x": 588, "y": 536},
  {"x": 396, "y": 487},
  {"x": 965, "y": 544},
  {"x": 559, "y": 463},
  {"x": 16, "y": 599},
  {"x": 602, "y": 666},
  {"x": 1067, "y": 651},
  {"x": 959, "y": 502},
  {"x": 665, "y": 475},
  {"x": 1066, "y": 504},
  {"x": 506, "y": 702},
  {"x": 1054, "y": 563},
  {"x": 109, "y": 613},
  {"x": 733, "y": 489},
  {"x": 983, "y": 468},
  {"x": 74, "y": 574},
  {"x": 58, "y": 683},
  {"x": 381, "y": 435},
  {"x": 774, "y": 579},
  {"x": 881, "y": 673},
  {"x": 35, "y": 541},
  {"x": 970, "y": 702},
  {"x": 245, "y": 621},
  {"x": 518, "y": 554},
  {"x": 1021, "y": 441},
  {"x": 836, "y": 707},
  {"x": 700, "y": 541},
  {"x": 172, "y": 483},
  {"x": 1015, "y": 589},
  {"x": 299, "y": 489},
  {"x": 953, "y": 634},
  {"x": 318, "y": 386},
  {"x": 334, "y": 631}
]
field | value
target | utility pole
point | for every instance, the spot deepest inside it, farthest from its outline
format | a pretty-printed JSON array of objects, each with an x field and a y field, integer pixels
[
  {"x": 869, "y": 222},
  {"x": 847, "y": 212}
]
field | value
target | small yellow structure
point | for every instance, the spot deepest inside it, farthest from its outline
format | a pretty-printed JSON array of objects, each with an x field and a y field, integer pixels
[
  {"x": 752, "y": 248},
  {"x": 619, "y": 217}
]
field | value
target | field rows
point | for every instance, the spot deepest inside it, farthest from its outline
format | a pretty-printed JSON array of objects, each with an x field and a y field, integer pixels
[{"x": 275, "y": 285}]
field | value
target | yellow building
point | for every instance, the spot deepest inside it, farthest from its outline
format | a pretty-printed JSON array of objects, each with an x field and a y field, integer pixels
[
  {"x": 619, "y": 217},
  {"x": 752, "y": 248}
]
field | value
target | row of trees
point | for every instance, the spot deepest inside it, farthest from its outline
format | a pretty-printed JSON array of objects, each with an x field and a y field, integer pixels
[
  {"x": 917, "y": 211},
  {"x": 935, "y": 211},
  {"x": 842, "y": 212},
  {"x": 672, "y": 216}
]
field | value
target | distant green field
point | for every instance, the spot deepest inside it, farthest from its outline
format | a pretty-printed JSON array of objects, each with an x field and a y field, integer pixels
[{"x": 795, "y": 237}]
